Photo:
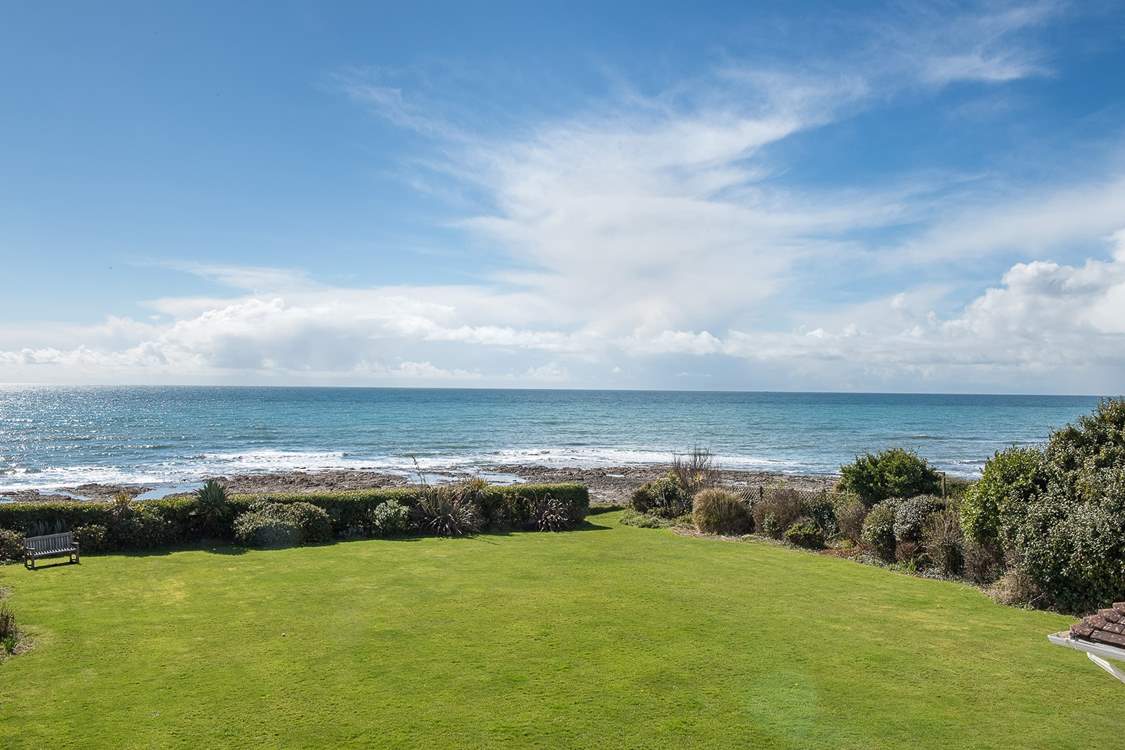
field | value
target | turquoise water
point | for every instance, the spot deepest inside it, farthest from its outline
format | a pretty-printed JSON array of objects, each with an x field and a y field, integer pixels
[{"x": 52, "y": 437}]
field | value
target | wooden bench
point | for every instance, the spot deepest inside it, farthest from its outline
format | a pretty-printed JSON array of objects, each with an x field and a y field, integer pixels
[{"x": 51, "y": 545}]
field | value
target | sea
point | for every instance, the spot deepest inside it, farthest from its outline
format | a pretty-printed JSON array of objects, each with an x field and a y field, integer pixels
[{"x": 172, "y": 437}]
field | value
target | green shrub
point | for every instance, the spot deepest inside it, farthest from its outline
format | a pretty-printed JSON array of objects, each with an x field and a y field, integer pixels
[
  {"x": 850, "y": 514},
  {"x": 776, "y": 510},
  {"x": 11, "y": 545},
  {"x": 911, "y": 516},
  {"x": 896, "y": 472},
  {"x": 316, "y": 525},
  {"x": 1071, "y": 543},
  {"x": 449, "y": 510},
  {"x": 133, "y": 525},
  {"x": 805, "y": 532},
  {"x": 212, "y": 511},
  {"x": 1097, "y": 442},
  {"x": 1068, "y": 539},
  {"x": 718, "y": 511},
  {"x": 389, "y": 518},
  {"x": 269, "y": 524},
  {"x": 821, "y": 508},
  {"x": 944, "y": 543},
  {"x": 265, "y": 529},
  {"x": 130, "y": 525},
  {"x": 91, "y": 537},
  {"x": 879, "y": 530},
  {"x": 664, "y": 497},
  {"x": 521, "y": 506},
  {"x": 1010, "y": 479}
]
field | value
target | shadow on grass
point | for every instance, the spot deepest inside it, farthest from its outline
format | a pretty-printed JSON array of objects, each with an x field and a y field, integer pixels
[
  {"x": 40, "y": 565},
  {"x": 223, "y": 547}
]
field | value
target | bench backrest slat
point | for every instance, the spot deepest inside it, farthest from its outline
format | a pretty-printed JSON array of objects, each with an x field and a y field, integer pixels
[{"x": 49, "y": 542}]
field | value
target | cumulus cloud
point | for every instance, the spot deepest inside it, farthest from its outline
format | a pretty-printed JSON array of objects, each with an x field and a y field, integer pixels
[{"x": 1044, "y": 317}]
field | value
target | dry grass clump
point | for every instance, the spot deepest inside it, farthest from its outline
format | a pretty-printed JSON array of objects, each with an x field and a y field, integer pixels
[
  {"x": 717, "y": 511},
  {"x": 695, "y": 471}
]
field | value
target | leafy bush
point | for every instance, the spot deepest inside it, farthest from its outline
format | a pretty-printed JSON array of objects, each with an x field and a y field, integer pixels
[
  {"x": 133, "y": 525},
  {"x": 213, "y": 512},
  {"x": 696, "y": 471},
  {"x": 1010, "y": 479},
  {"x": 449, "y": 510},
  {"x": 896, "y": 472},
  {"x": 389, "y": 518},
  {"x": 177, "y": 523},
  {"x": 944, "y": 542},
  {"x": 664, "y": 497},
  {"x": 1071, "y": 543},
  {"x": 911, "y": 515},
  {"x": 1097, "y": 442},
  {"x": 11, "y": 545},
  {"x": 91, "y": 537},
  {"x": 879, "y": 530},
  {"x": 805, "y": 532},
  {"x": 1068, "y": 537},
  {"x": 269, "y": 524},
  {"x": 718, "y": 511},
  {"x": 776, "y": 511},
  {"x": 265, "y": 529},
  {"x": 850, "y": 514},
  {"x": 551, "y": 515},
  {"x": 821, "y": 509}
]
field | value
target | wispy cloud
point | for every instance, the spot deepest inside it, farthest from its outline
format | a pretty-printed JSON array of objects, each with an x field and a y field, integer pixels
[{"x": 946, "y": 43}]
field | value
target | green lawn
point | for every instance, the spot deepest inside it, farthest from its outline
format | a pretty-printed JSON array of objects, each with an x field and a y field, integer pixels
[{"x": 607, "y": 637}]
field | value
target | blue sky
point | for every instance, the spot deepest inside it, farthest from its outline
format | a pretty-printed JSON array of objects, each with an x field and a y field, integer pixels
[{"x": 899, "y": 196}]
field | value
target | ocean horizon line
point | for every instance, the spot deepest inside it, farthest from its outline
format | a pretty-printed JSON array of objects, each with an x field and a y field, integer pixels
[{"x": 571, "y": 389}]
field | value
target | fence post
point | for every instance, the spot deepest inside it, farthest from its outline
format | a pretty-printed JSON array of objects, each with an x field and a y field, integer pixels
[{"x": 943, "y": 485}]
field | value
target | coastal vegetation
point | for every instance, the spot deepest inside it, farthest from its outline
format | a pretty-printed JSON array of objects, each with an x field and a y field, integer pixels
[
  {"x": 282, "y": 519},
  {"x": 875, "y": 477},
  {"x": 1057, "y": 513},
  {"x": 1043, "y": 527},
  {"x": 608, "y": 636}
]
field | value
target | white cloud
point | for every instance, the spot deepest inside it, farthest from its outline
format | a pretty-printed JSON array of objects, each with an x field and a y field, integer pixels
[
  {"x": 942, "y": 46},
  {"x": 1054, "y": 319}
]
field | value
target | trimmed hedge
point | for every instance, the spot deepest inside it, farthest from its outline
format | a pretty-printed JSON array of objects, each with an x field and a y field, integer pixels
[{"x": 502, "y": 507}]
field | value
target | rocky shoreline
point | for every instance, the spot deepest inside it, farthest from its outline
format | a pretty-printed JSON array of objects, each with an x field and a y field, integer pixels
[{"x": 608, "y": 485}]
